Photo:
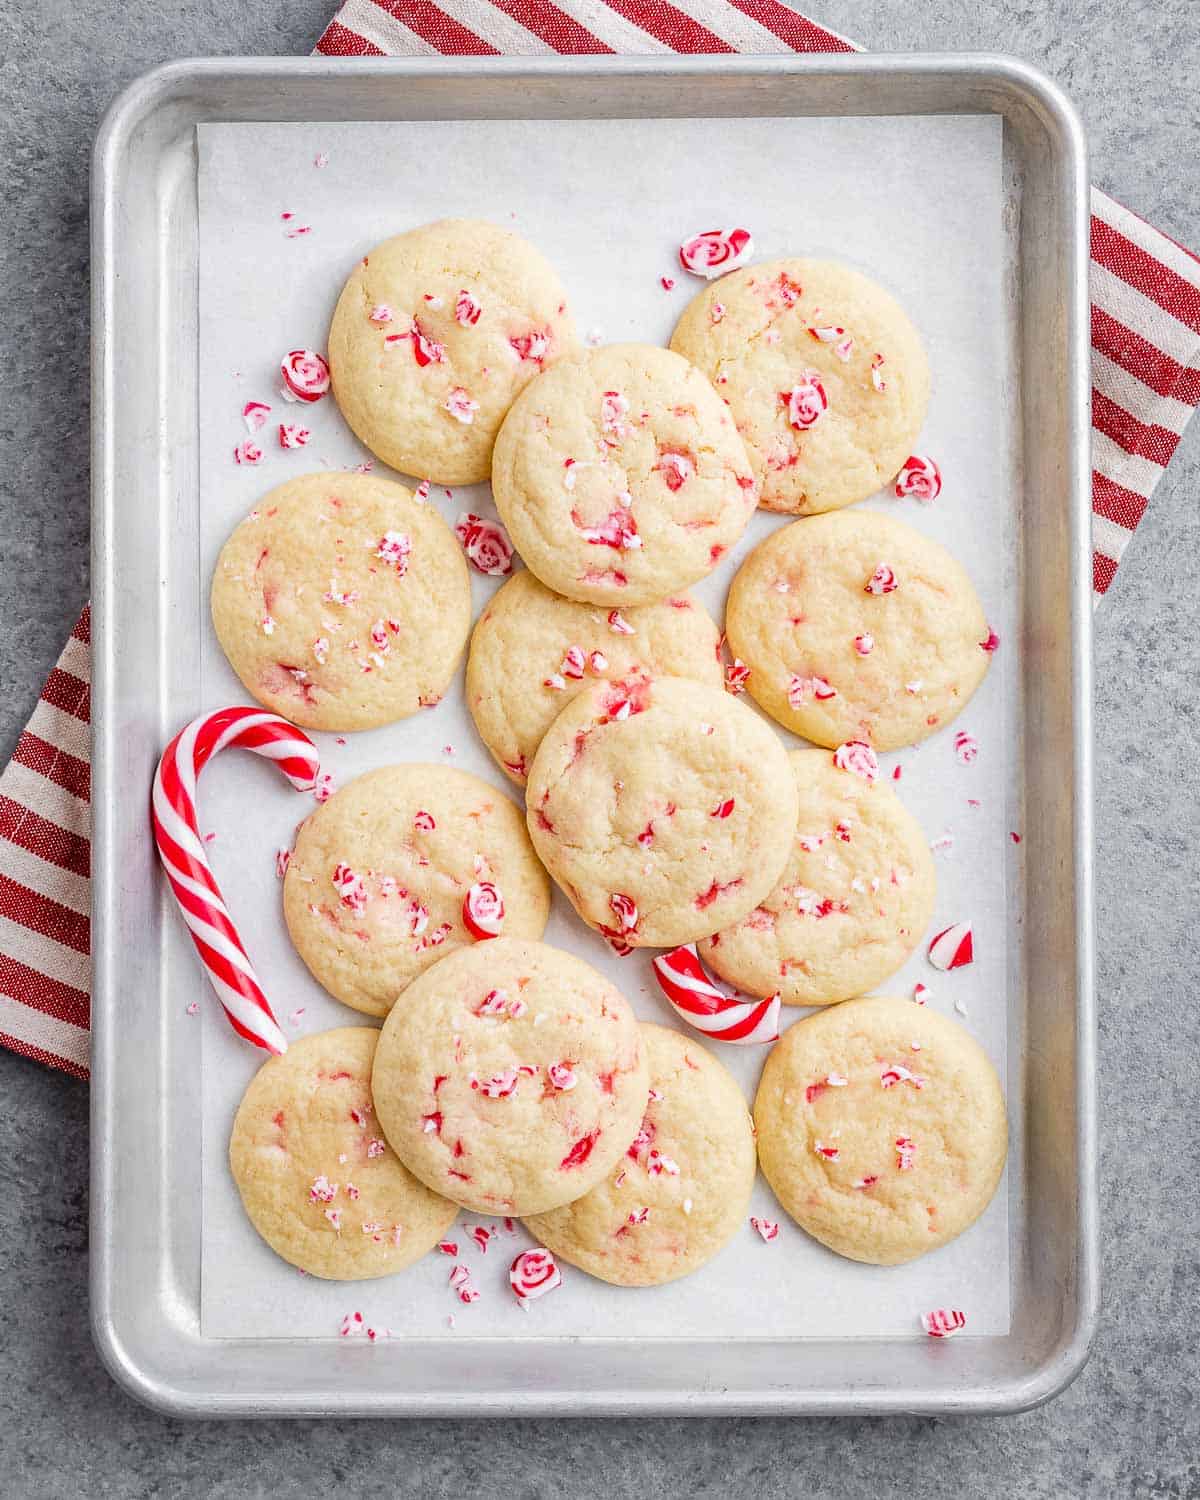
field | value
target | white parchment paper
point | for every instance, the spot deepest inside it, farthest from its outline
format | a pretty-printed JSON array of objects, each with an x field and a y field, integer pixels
[{"x": 916, "y": 203}]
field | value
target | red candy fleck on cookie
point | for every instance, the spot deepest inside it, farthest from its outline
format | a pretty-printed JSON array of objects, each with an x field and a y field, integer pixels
[
  {"x": 676, "y": 468},
  {"x": 966, "y": 748},
  {"x": 638, "y": 1216},
  {"x": 499, "y": 1086},
  {"x": 801, "y": 688},
  {"x": 806, "y": 402},
  {"x": 597, "y": 662},
  {"x": 613, "y": 408},
  {"x": 532, "y": 1274},
  {"x": 920, "y": 477},
  {"x": 466, "y": 309},
  {"x": 562, "y": 1076},
  {"x": 830, "y": 1153},
  {"x": 943, "y": 1323},
  {"x": 483, "y": 910},
  {"x": 881, "y": 581},
  {"x": 857, "y": 757},
  {"x": 532, "y": 346},
  {"x": 292, "y": 435},
  {"x": 395, "y": 548},
  {"x": 737, "y": 674},
  {"x": 626, "y": 910},
  {"x": 432, "y": 1125},
  {"x": 906, "y": 1153},
  {"x": 486, "y": 544},
  {"x": 618, "y": 530},
  {"x": 865, "y": 1182},
  {"x": 580, "y": 1151},
  {"x": 715, "y": 251},
  {"x": 877, "y": 379},
  {"x": 381, "y": 313},
  {"x": 722, "y": 809},
  {"x": 350, "y": 888},
  {"x": 423, "y": 821},
  {"x": 991, "y": 643},
  {"x": 305, "y": 375},
  {"x": 893, "y": 1073},
  {"x": 573, "y": 663},
  {"x": 658, "y": 1165},
  {"x": 864, "y": 644},
  {"x": 953, "y": 947},
  {"x": 766, "y": 1229},
  {"x": 461, "y": 406},
  {"x": 618, "y": 624},
  {"x": 248, "y": 452}
]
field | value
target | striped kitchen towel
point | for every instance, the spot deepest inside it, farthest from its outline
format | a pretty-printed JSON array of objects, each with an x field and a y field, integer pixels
[{"x": 1145, "y": 378}]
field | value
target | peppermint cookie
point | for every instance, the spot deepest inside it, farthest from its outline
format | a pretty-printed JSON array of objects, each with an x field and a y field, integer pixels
[
  {"x": 512, "y": 1079},
  {"x": 317, "y": 1179},
  {"x": 824, "y": 374},
  {"x": 881, "y": 1128},
  {"x": 852, "y": 904},
  {"x": 681, "y": 1190},
  {"x": 665, "y": 809},
  {"x": 532, "y": 651},
  {"x": 857, "y": 627},
  {"x": 620, "y": 476},
  {"x": 435, "y": 333},
  {"x": 394, "y": 872},
  {"x": 342, "y": 602}
]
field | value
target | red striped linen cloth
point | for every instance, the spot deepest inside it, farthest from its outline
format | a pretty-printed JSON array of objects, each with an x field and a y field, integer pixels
[{"x": 1145, "y": 386}]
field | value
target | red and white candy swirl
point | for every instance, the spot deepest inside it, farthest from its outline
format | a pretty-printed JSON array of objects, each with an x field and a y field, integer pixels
[
  {"x": 715, "y": 251},
  {"x": 305, "y": 375},
  {"x": 532, "y": 1274},
  {"x": 920, "y": 477},
  {"x": 697, "y": 1000},
  {"x": 483, "y": 910},
  {"x": 182, "y": 851}
]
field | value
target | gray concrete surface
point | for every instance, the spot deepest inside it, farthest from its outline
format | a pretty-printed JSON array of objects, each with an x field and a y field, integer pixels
[{"x": 1129, "y": 1425}]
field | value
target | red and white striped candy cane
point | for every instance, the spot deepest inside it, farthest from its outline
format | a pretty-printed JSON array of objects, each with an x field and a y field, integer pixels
[
  {"x": 181, "y": 849},
  {"x": 697, "y": 1000}
]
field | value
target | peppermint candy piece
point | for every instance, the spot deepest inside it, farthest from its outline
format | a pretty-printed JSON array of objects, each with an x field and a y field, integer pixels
[
  {"x": 920, "y": 477},
  {"x": 806, "y": 402},
  {"x": 562, "y": 1076},
  {"x": 466, "y": 309},
  {"x": 881, "y": 581},
  {"x": 254, "y": 414},
  {"x": 966, "y": 748},
  {"x": 991, "y": 642},
  {"x": 943, "y": 1322},
  {"x": 248, "y": 452},
  {"x": 697, "y": 1000},
  {"x": 857, "y": 757},
  {"x": 766, "y": 1229},
  {"x": 483, "y": 910},
  {"x": 395, "y": 548},
  {"x": 626, "y": 911},
  {"x": 305, "y": 375},
  {"x": 952, "y": 948},
  {"x": 715, "y": 251},
  {"x": 292, "y": 435},
  {"x": 461, "y": 406},
  {"x": 532, "y": 1274},
  {"x": 486, "y": 544}
]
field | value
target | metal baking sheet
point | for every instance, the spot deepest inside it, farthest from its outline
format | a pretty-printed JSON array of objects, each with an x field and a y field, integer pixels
[{"x": 154, "y": 668}]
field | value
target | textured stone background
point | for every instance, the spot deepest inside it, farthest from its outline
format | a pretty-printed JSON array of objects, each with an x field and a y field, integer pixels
[{"x": 1129, "y": 1425}]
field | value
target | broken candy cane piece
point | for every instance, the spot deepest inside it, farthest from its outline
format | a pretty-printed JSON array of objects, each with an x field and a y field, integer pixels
[
  {"x": 305, "y": 375},
  {"x": 920, "y": 477},
  {"x": 532, "y": 1274},
  {"x": 486, "y": 544},
  {"x": 953, "y": 947},
  {"x": 697, "y": 1000},
  {"x": 715, "y": 251}
]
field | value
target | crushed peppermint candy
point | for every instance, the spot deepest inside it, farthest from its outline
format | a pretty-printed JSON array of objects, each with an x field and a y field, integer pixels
[
  {"x": 532, "y": 1274},
  {"x": 943, "y": 1323},
  {"x": 966, "y": 748},
  {"x": 881, "y": 581},
  {"x": 766, "y": 1229},
  {"x": 715, "y": 251},
  {"x": 461, "y": 406},
  {"x": 486, "y": 544},
  {"x": 562, "y": 1076},
  {"x": 857, "y": 757},
  {"x": 395, "y": 548}
]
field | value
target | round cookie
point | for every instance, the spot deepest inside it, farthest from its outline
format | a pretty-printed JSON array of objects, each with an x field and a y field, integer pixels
[
  {"x": 317, "y": 1179},
  {"x": 375, "y": 888},
  {"x": 512, "y": 1078},
  {"x": 665, "y": 809},
  {"x": 342, "y": 602},
  {"x": 532, "y": 651},
  {"x": 824, "y": 374},
  {"x": 435, "y": 333},
  {"x": 620, "y": 476},
  {"x": 681, "y": 1190},
  {"x": 857, "y": 627},
  {"x": 852, "y": 904},
  {"x": 902, "y": 1156}
]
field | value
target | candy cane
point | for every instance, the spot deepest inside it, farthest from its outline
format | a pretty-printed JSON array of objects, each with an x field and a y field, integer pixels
[
  {"x": 694, "y": 997},
  {"x": 181, "y": 849}
]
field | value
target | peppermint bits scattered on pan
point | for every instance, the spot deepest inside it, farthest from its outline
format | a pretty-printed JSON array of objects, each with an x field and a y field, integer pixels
[
  {"x": 715, "y": 251},
  {"x": 305, "y": 375},
  {"x": 966, "y": 748},
  {"x": 766, "y": 1229},
  {"x": 943, "y": 1322}
]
